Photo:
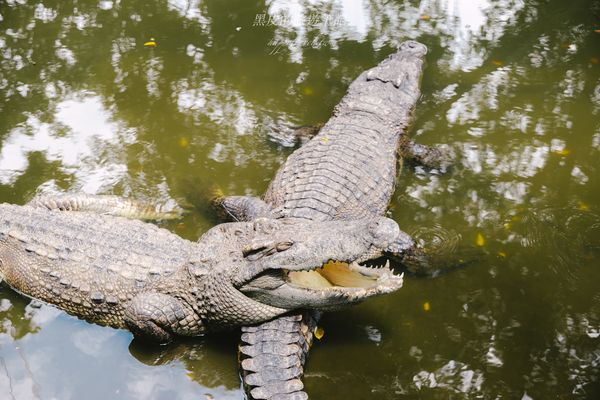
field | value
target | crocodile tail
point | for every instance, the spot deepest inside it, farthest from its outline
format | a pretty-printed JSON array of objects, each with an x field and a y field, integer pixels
[
  {"x": 272, "y": 356},
  {"x": 106, "y": 204}
]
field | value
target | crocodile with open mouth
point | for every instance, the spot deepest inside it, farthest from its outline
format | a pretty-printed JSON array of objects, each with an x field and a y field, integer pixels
[{"x": 71, "y": 252}]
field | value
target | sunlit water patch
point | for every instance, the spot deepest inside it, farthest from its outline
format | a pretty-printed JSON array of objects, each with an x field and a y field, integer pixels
[{"x": 81, "y": 138}]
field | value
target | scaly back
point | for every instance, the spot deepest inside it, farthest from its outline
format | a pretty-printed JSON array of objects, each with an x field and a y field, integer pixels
[{"x": 348, "y": 170}]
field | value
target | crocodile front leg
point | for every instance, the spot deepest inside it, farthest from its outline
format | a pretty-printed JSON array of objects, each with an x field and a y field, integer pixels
[
  {"x": 438, "y": 157},
  {"x": 105, "y": 204},
  {"x": 158, "y": 317},
  {"x": 245, "y": 208}
]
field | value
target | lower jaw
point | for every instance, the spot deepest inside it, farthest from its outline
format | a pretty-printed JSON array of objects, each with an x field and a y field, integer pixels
[{"x": 331, "y": 274}]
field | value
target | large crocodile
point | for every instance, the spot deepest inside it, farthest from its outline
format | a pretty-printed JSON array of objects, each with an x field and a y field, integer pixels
[
  {"x": 130, "y": 274},
  {"x": 347, "y": 171}
]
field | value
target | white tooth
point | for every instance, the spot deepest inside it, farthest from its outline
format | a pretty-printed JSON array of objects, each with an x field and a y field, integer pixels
[{"x": 387, "y": 264}]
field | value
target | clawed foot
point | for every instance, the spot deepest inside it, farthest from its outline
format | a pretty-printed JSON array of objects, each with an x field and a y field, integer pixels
[{"x": 440, "y": 157}]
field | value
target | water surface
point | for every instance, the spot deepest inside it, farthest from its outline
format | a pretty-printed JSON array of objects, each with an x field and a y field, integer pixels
[{"x": 512, "y": 86}]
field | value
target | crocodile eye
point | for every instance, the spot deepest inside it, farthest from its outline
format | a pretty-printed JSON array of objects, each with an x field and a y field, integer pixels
[
  {"x": 283, "y": 246},
  {"x": 253, "y": 252},
  {"x": 257, "y": 250}
]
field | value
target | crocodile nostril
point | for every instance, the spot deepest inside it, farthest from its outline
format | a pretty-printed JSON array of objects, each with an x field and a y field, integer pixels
[
  {"x": 414, "y": 47},
  {"x": 384, "y": 231}
]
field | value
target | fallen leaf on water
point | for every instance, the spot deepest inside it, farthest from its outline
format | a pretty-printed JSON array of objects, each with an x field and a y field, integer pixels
[
  {"x": 319, "y": 332},
  {"x": 480, "y": 240},
  {"x": 502, "y": 254},
  {"x": 216, "y": 192},
  {"x": 183, "y": 142},
  {"x": 507, "y": 225},
  {"x": 308, "y": 91},
  {"x": 497, "y": 63},
  {"x": 597, "y": 30},
  {"x": 583, "y": 206},
  {"x": 425, "y": 17},
  {"x": 324, "y": 139},
  {"x": 150, "y": 43},
  {"x": 594, "y": 60},
  {"x": 426, "y": 306},
  {"x": 562, "y": 152}
]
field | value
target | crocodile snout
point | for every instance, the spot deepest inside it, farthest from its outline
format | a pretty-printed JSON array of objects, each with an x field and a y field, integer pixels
[
  {"x": 384, "y": 232},
  {"x": 414, "y": 47}
]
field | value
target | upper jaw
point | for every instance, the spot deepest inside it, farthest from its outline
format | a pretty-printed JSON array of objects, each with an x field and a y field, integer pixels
[{"x": 302, "y": 246}]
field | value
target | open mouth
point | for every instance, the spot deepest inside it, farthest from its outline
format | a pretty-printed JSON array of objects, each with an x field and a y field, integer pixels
[
  {"x": 325, "y": 287},
  {"x": 339, "y": 274}
]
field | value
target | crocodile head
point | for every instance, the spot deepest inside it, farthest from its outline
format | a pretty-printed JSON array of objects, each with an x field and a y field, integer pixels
[{"x": 268, "y": 267}]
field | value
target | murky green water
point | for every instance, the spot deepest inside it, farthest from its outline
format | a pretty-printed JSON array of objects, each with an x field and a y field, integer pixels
[{"x": 512, "y": 86}]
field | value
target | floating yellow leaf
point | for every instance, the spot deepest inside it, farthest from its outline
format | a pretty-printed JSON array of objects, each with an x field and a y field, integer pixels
[
  {"x": 562, "y": 152},
  {"x": 308, "y": 91},
  {"x": 324, "y": 139},
  {"x": 183, "y": 142},
  {"x": 216, "y": 192},
  {"x": 424, "y": 17},
  {"x": 426, "y": 306},
  {"x": 480, "y": 240},
  {"x": 497, "y": 63},
  {"x": 594, "y": 60},
  {"x": 507, "y": 225},
  {"x": 319, "y": 332},
  {"x": 597, "y": 30},
  {"x": 150, "y": 43},
  {"x": 583, "y": 206},
  {"x": 502, "y": 254}
]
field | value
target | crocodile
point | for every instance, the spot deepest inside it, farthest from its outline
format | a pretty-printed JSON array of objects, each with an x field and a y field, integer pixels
[
  {"x": 80, "y": 254},
  {"x": 347, "y": 171}
]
